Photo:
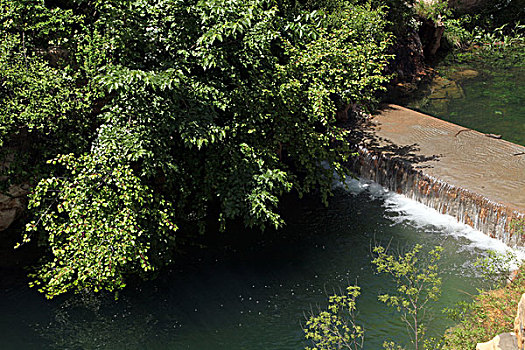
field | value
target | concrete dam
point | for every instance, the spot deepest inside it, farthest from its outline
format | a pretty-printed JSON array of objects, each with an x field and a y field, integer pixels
[{"x": 477, "y": 178}]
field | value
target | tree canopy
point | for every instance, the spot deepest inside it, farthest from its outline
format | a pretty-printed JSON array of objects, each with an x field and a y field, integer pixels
[{"x": 137, "y": 121}]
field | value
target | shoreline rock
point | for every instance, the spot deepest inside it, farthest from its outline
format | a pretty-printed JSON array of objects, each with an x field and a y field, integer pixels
[
  {"x": 519, "y": 324},
  {"x": 503, "y": 341},
  {"x": 12, "y": 205},
  {"x": 511, "y": 340}
]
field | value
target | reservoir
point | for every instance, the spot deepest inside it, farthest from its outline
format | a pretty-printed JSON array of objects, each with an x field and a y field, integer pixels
[{"x": 256, "y": 290}]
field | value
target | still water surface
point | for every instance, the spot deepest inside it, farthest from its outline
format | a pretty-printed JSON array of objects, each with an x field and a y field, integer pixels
[
  {"x": 255, "y": 295},
  {"x": 490, "y": 101}
]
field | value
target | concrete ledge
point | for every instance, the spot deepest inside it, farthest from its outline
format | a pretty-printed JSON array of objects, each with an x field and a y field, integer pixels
[{"x": 476, "y": 178}]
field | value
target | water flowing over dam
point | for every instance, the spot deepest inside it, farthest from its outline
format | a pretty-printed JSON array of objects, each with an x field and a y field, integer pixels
[{"x": 475, "y": 177}]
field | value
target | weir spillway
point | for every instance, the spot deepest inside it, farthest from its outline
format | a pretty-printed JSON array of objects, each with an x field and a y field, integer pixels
[{"x": 478, "y": 179}]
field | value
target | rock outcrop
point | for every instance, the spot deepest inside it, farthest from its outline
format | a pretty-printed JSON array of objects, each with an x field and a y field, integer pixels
[
  {"x": 504, "y": 341},
  {"x": 431, "y": 32},
  {"x": 464, "y": 74},
  {"x": 12, "y": 204},
  {"x": 467, "y": 5},
  {"x": 442, "y": 88},
  {"x": 408, "y": 62},
  {"x": 519, "y": 324},
  {"x": 509, "y": 341}
]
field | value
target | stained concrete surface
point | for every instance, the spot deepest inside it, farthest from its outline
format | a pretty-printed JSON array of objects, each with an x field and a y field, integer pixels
[{"x": 492, "y": 168}]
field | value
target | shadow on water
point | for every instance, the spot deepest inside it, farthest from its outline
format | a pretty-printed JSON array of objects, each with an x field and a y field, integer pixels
[{"x": 255, "y": 294}]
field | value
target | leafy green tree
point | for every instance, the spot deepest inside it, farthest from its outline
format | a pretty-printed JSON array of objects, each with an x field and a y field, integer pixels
[
  {"x": 105, "y": 223},
  {"x": 159, "y": 116},
  {"x": 46, "y": 105},
  {"x": 417, "y": 283}
]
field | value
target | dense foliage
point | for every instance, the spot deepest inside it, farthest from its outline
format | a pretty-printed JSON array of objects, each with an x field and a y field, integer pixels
[
  {"x": 138, "y": 121},
  {"x": 490, "y": 32}
]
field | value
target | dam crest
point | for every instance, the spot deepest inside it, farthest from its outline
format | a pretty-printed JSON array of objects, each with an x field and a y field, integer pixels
[{"x": 471, "y": 176}]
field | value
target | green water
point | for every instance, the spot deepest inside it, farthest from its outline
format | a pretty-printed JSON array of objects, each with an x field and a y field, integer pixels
[
  {"x": 492, "y": 102},
  {"x": 255, "y": 293}
]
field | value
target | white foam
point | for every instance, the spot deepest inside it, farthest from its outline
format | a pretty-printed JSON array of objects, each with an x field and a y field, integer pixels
[{"x": 418, "y": 215}]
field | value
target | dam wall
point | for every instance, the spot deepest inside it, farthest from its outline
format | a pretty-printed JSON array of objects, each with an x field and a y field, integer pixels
[{"x": 478, "y": 179}]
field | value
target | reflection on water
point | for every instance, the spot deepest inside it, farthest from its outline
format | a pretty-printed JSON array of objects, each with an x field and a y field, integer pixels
[
  {"x": 255, "y": 295},
  {"x": 487, "y": 99},
  {"x": 90, "y": 322}
]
